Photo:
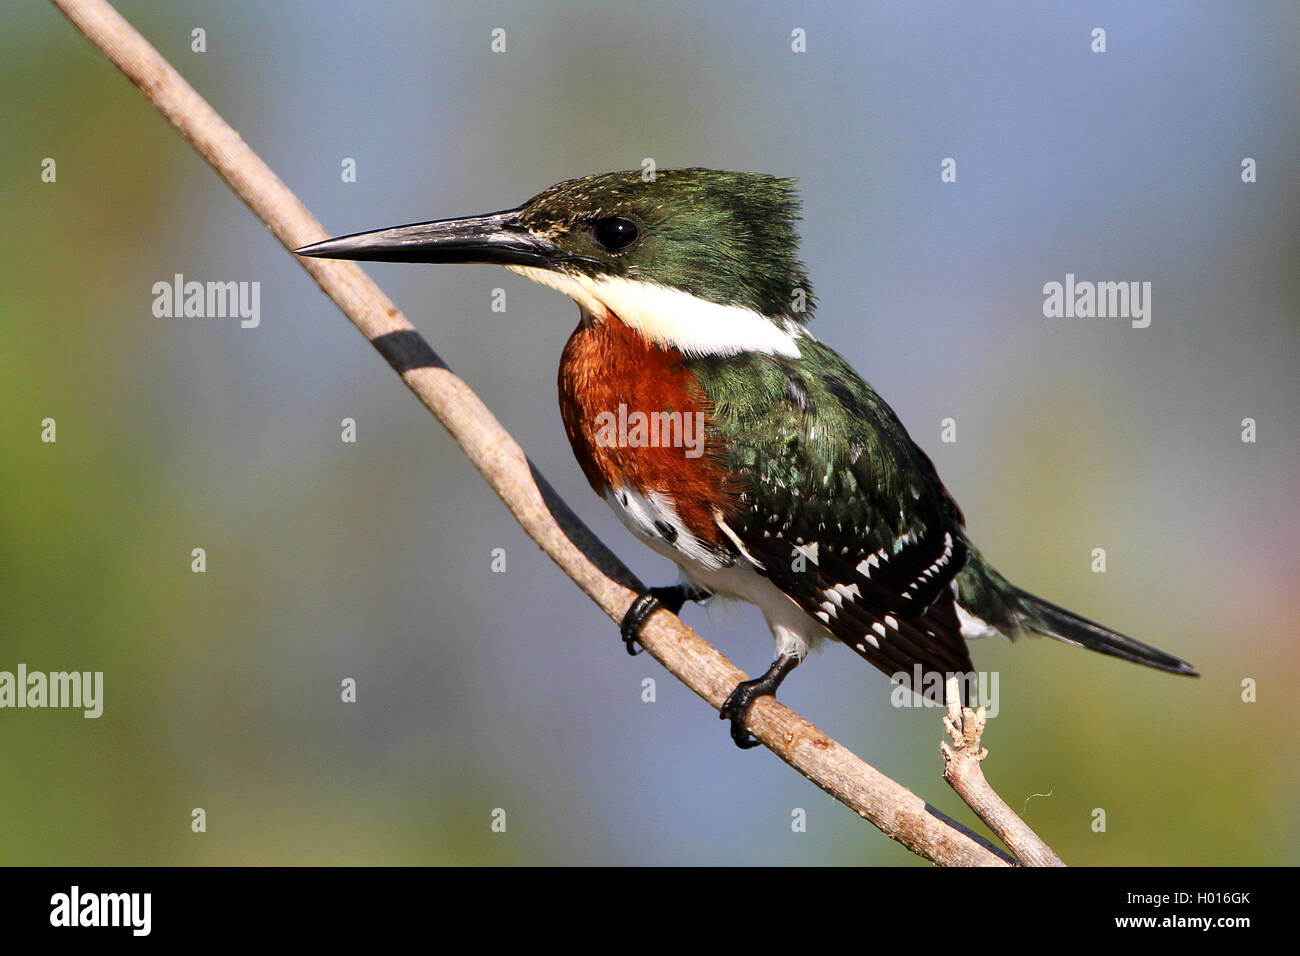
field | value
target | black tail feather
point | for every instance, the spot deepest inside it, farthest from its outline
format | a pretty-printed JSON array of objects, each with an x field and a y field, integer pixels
[{"x": 1043, "y": 617}]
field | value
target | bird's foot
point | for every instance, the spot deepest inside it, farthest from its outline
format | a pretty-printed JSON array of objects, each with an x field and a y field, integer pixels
[
  {"x": 736, "y": 707},
  {"x": 651, "y": 600}
]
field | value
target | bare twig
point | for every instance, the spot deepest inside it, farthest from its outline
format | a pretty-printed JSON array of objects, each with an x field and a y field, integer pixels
[
  {"x": 961, "y": 768},
  {"x": 896, "y": 811}
]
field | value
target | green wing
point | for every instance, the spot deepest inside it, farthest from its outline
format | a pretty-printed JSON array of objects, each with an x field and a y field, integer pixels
[{"x": 843, "y": 511}]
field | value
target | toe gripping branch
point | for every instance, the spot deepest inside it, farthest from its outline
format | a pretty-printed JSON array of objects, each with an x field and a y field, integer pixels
[
  {"x": 651, "y": 600},
  {"x": 736, "y": 707}
]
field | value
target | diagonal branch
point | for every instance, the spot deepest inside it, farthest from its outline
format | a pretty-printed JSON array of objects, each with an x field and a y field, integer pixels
[
  {"x": 892, "y": 808},
  {"x": 961, "y": 768}
]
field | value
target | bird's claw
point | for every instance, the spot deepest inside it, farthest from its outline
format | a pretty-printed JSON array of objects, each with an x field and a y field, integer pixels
[
  {"x": 630, "y": 628},
  {"x": 736, "y": 709},
  {"x": 651, "y": 600}
]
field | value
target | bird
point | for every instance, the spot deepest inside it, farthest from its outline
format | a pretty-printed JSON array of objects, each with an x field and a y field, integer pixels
[{"x": 731, "y": 440}]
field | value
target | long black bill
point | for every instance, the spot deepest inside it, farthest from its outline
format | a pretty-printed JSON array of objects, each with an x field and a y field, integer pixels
[{"x": 499, "y": 238}]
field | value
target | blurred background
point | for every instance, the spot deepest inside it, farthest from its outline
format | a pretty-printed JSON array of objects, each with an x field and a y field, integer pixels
[{"x": 373, "y": 560}]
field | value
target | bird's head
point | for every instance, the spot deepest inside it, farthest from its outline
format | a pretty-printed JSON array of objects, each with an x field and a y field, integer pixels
[{"x": 702, "y": 260}]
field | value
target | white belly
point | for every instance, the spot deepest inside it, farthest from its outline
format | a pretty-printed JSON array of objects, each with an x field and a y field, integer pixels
[{"x": 647, "y": 517}]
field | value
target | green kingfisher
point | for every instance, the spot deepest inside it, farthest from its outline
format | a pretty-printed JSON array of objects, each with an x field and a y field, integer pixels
[{"x": 729, "y": 439}]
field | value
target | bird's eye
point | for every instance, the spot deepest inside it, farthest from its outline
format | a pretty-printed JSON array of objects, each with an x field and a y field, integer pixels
[{"x": 615, "y": 232}]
